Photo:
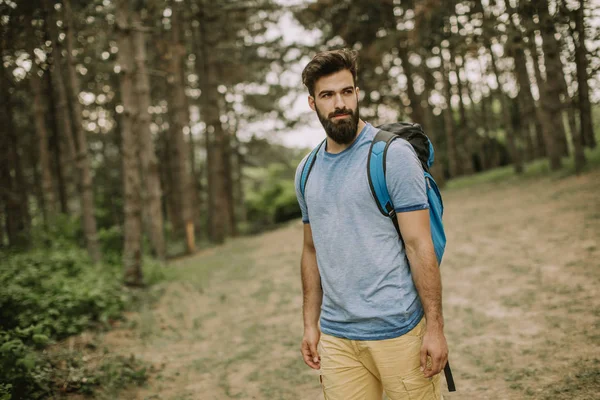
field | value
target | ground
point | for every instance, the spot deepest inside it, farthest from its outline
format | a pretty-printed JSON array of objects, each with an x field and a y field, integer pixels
[{"x": 521, "y": 283}]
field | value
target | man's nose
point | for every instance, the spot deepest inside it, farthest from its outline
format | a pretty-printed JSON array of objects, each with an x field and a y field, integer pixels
[{"x": 339, "y": 101}]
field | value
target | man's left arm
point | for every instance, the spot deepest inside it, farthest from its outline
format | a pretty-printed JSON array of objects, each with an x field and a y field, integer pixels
[{"x": 416, "y": 234}]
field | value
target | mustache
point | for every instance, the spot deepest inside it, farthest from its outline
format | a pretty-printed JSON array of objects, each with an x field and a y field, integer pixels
[{"x": 338, "y": 113}]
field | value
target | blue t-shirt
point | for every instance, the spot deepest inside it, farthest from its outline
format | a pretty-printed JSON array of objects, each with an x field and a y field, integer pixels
[{"x": 368, "y": 291}]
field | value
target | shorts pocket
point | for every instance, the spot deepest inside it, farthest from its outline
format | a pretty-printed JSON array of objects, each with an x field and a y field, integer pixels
[{"x": 420, "y": 388}]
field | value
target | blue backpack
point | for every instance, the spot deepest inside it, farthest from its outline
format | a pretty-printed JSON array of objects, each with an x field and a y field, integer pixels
[{"x": 414, "y": 134}]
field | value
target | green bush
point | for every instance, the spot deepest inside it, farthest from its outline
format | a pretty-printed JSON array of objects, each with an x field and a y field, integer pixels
[
  {"x": 273, "y": 199},
  {"x": 51, "y": 293},
  {"x": 59, "y": 293},
  {"x": 5, "y": 391},
  {"x": 23, "y": 372}
]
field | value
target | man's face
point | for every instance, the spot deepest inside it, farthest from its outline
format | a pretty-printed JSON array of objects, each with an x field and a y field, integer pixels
[{"x": 336, "y": 104}]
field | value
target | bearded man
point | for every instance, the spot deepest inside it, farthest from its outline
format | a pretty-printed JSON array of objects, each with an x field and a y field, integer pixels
[{"x": 372, "y": 303}]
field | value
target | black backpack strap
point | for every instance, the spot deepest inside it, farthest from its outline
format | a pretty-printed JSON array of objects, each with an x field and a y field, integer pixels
[{"x": 307, "y": 168}]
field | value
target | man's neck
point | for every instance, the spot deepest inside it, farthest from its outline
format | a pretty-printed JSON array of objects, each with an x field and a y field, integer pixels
[{"x": 335, "y": 148}]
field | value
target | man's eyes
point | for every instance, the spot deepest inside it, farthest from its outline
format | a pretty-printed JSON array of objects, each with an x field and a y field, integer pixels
[{"x": 345, "y": 92}]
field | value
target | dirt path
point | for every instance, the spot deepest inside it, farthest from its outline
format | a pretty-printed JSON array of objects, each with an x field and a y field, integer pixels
[{"x": 521, "y": 290}]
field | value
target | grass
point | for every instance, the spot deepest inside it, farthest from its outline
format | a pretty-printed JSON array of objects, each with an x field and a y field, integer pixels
[
  {"x": 535, "y": 169},
  {"x": 230, "y": 260},
  {"x": 582, "y": 383}
]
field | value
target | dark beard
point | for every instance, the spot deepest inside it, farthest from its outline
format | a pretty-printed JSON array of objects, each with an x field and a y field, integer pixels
[{"x": 344, "y": 130}]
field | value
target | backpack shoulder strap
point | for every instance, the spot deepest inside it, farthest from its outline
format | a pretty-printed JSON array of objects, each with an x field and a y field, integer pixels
[
  {"x": 310, "y": 162},
  {"x": 376, "y": 174}
]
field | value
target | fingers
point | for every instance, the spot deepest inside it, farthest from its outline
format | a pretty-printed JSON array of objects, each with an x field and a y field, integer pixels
[
  {"x": 310, "y": 355},
  {"x": 315, "y": 354},
  {"x": 438, "y": 362},
  {"x": 435, "y": 367},
  {"x": 423, "y": 358}
]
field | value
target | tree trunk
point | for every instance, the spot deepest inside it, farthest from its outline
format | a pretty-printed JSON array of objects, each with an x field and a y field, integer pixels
[
  {"x": 451, "y": 148},
  {"x": 464, "y": 136},
  {"x": 132, "y": 252},
  {"x": 543, "y": 135},
  {"x": 208, "y": 170},
  {"x": 568, "y": 102},
  {"x": 529, "y": 112},
  {"x": 550, "y": 89},
  {"x": 238, "y": 182},
  {"x": 486, "y": 156},
  {"x": 83, "y": 163},
  {"x": 214, "y": 130},
  {"x": 437, "y": 169},
  {"x": 515, "y": 154},
  {"x": 416, "y": 113},
  {"x": 55, "y": 144},
  {"x": 585, "y": 109},
  {"x": 12, "y": 189},
  {"x": 180, "y": 122},
  {"x": 485, "y": 124},
  {"x": 153, "y": 193},
  {"x": 39, "y": 113},
  {"x": 228, "y": 174}
]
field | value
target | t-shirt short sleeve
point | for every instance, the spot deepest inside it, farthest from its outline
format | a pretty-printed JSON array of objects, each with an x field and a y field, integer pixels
[
  {"x": 404, "y": 177},
  {"x": 299, "y": 196}
]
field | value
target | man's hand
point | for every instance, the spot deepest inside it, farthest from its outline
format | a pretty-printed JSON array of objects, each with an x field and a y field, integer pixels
[
  {"x": 435, "y": 346},
  {"x": 309, "y": 347}
]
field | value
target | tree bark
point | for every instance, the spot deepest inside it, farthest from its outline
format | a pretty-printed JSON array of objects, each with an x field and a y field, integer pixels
[
  {"x": 550, "y": 89},
  {"x": 585, "y": 109},
  {"x": 208, "y": 145},
  {"x": 180, "y": 122},
  {"x": 543, "y": 134},
  {"x": 55, "y": 143},
  {"x": 464, "y": 136},
  {"x": 153, "y": 192},
  {"x": 451, "y": 148},
  {"x": 12, "y": 189},
  {"x": 530, "y": 114},
  {"x": 416, "y": 113},
  {"x": 486, "y": 156},
  {"x": 437, "y": 169},
  {"x": 238, "y": 182},
  {"x": 39, "y": 113},
  {"x": 216, "y": 141},
  {"x": 514, "y": 152},
  {"x": 132, "y": 252},
  {"x": 82, "y": 158}
]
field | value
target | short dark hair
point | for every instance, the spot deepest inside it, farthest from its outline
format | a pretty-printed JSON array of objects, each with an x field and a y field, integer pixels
[{"x": 327, "y": 63}]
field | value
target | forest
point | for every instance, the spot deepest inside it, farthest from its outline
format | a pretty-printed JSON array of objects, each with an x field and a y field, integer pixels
[{"x": 138, "y": 132}]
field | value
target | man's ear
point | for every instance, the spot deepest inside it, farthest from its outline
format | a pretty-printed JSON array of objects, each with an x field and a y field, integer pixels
[
  {"x": 357, "y": 93},
  {"x": 311, "y": 102}
]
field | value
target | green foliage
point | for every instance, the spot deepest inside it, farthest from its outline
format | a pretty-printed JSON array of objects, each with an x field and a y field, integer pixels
[
  {"x": 5, "y": 391},
  {"x": 274, "y": 199},
  {"x": 62, "y": 230},
  {"x": 111, "y": 243},
  {"x": 57, "y": 292},
  {"x": 53, "y": 292},
  {"x": 23, "y": 374}
]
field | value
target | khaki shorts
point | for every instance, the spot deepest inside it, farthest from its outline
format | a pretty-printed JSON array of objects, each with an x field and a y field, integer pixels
[{"x": 363, "y": 370}]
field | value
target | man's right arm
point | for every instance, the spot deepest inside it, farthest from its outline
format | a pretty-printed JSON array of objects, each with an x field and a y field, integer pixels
[{"x": 312, "y": 298}]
